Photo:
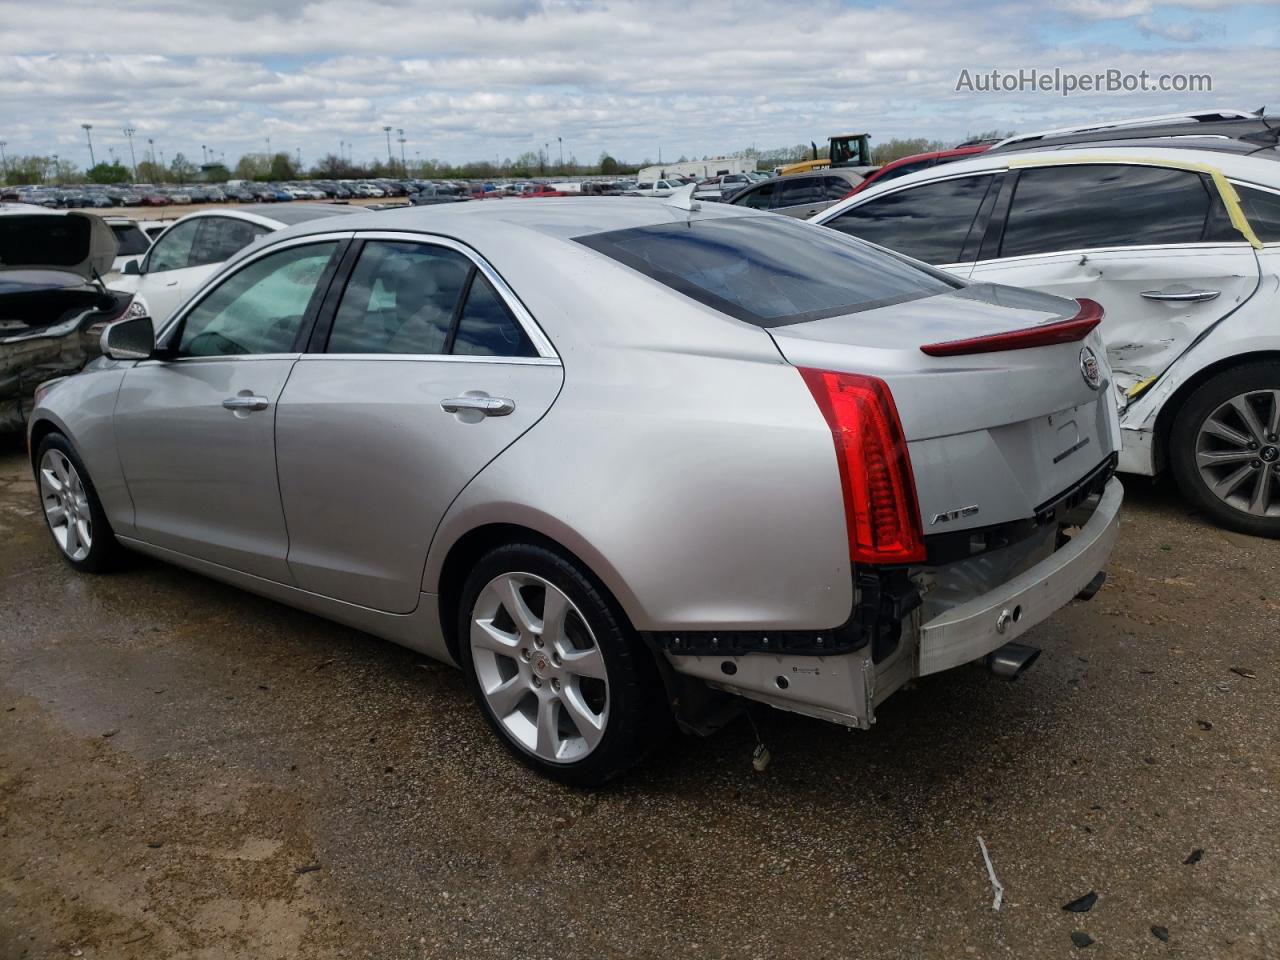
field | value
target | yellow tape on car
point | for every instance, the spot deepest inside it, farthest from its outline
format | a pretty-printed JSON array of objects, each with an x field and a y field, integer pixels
[{"x": 1230, "y": 199}]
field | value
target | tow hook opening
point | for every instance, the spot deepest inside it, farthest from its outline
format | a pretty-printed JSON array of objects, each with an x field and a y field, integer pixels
[{"x": 1012, "y": 660}]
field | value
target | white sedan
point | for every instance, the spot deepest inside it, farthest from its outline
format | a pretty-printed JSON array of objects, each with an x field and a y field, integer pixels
[
  {"x": 1179, "y": 240},
  {"x": 189, "y": 252}
]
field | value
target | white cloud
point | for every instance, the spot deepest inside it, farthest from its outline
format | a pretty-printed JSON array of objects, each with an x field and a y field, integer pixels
[{"x": 499, "y": 77}]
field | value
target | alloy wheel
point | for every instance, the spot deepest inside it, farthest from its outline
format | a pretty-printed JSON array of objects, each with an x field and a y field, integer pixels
[
  {"x": 66, "y": 505},
  {"x": 539, "y": 667},
  {"x": 1238, "y": 452}
]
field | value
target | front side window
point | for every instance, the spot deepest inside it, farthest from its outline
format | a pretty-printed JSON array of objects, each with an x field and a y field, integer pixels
[
  {"x": 769, "y": 271},
  {"x": 801, "y": 190},
  {"x": 259, "y": 308},
  {"x": 173, "y": 250},
  {"x": 761, "y": 198},
  {"x": 1104, "y": 205},
  {"x": 400, "y": 299},
  {"x": 928, "y": 222},
  {"x": 221, "y": 237}
]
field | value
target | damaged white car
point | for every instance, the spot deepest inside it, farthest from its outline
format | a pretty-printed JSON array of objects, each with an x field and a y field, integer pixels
[{"x": 1179, "y": 239}]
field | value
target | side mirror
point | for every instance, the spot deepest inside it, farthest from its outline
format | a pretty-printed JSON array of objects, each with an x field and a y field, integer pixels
[
  {"x": 133, "y": 268},
  {"x": 132, "y": 339}
]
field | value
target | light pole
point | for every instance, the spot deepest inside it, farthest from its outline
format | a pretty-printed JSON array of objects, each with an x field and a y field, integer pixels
[
  {"x": 4, "y": 161},
  {"x": 561, "y": 142},
  {"x": 390, "y": 159},
  {"x": 404, "y": 168},
  {"x": 547, "y": 151},
  {"x": 128, "y": 135},
  {"x": 204, "y": 152},
  {"x": 56, "y": 174},
  {"x": 89, "y": 137}
]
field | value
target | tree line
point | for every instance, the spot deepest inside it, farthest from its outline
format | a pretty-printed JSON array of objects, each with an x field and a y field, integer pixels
[{"x": 34, "y": 169}]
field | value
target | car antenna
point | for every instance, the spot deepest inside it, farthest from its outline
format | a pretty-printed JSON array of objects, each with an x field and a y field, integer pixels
[{"x": 682, "y": 199}]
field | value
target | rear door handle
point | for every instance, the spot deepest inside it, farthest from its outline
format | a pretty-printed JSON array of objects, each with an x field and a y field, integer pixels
[
  {"x": 1182, "y": 296},
  {"x": 489, "y": 406},
  {"x": 246, "y": 402}
]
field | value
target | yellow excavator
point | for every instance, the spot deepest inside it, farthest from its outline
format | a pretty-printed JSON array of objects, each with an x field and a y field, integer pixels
[{"x": 844, "y": 150}]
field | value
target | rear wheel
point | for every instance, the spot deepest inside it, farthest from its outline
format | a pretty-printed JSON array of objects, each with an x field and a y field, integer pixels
[
  {"x": 560, "y": 676},
  {"x": 72, "y": 511},
  {"x": 1225, "y": 449}
]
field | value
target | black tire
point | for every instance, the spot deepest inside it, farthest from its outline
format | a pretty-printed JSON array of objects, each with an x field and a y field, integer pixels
[
  {"x": 638, "y": 715},
  {"x": 1187, "y": 424},
  {"x": 105, "y": 553}
]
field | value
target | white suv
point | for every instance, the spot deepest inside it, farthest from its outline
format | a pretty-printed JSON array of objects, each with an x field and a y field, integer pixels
[{"x": 1179, "y": 240}]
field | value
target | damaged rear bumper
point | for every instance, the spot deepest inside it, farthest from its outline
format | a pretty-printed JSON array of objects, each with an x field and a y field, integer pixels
[{"x": 975, "y": 628}]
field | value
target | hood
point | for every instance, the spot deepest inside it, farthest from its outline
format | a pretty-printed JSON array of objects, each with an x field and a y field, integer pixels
[{"x": 79, "y": 243}]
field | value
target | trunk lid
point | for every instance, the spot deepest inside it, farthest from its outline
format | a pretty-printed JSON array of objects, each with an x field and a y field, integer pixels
[
  {"x": 74, "y": 242},
  {"x": 992, "y": 436}
]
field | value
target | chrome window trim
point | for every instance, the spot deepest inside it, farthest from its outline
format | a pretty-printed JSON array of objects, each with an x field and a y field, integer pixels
[
  {"x": 1149, "y": 248},
  {"x": 541, "y": 342},
  {"x": 434, "y": 357},
  {"x": 180, "y": 315}
]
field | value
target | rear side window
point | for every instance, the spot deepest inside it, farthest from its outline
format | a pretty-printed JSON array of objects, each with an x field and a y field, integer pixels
[
  {"x": 417, "y": 298},
  {"x": 838, "y": 188},
  {"x": 1103, "y": 205},
  {"x": 486, "y": 327},
  {"x": 130, "y": 240},
  {"x": 1263, "y": 212},
  {"x": 929, "y": 222},
  {"x": 769, "y": 270},
  {"x": 400, "y": 299}
]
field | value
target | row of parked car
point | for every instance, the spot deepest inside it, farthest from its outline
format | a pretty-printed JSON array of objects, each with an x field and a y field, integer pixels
[{"x": 946, "y": 368}]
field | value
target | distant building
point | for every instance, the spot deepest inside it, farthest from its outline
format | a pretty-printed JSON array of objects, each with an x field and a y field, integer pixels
[{"x": 702, "y": 169}]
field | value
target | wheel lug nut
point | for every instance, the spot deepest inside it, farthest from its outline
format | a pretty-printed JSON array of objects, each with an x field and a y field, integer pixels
[
  {"x": 525, "y": 654},
  {"x": 555, "y": 658},
  {"x": 537, "y": 642},
  {"x": 555, "y": 685},
  {"x": 537, "y": 681}
]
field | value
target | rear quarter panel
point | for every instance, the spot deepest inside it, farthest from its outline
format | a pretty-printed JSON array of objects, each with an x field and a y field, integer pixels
[{"x": 684, "y": 461}]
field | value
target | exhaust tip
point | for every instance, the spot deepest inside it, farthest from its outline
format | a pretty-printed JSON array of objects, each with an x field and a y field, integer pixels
[
  {"x": 1093, "y": 586},
  {"x": 1012, "y": 660}
]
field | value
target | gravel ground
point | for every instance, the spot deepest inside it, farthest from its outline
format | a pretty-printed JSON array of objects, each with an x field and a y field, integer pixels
[{"x": 189, "y": 771}]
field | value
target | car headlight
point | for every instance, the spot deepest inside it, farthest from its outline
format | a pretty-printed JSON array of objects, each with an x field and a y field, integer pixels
[{"x": 137, "y": 308}]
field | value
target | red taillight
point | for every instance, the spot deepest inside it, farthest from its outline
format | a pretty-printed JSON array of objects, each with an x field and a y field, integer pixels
[
  {"x": 1061, "y": 331},
  {"x": 880, "y": 505}
]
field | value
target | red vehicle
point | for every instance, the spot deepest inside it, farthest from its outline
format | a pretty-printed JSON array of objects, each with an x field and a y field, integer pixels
[
  {"x": 152, "y": 199},
  {"x": 546, "y": 190},
  {"x": 919, "y": 161}
]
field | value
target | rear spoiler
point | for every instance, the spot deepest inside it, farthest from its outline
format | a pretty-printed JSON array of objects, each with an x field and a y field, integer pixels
[{"x": 1059, "y": 331}]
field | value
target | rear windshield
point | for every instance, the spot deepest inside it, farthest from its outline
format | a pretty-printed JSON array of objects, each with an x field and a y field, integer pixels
[{"x": 770, "y": 270}]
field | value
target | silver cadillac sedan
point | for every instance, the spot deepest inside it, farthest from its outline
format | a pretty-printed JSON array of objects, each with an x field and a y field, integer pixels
[{"x": 623, "y": 462}]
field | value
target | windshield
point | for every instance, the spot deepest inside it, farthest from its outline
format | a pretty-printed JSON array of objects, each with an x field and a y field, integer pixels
[
  {"x": 770, "y": 270},
  {"x": 130, "y": 240}
]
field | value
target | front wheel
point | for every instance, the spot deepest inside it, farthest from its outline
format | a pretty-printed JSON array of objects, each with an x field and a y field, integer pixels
[
  {"x": 1225, "y": 449},
  {"x": 72, "y": 511},
  {"x": 560, "y": 676}
]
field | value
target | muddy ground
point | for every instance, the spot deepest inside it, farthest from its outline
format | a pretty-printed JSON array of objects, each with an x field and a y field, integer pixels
[{"x": 189, "y": 771}]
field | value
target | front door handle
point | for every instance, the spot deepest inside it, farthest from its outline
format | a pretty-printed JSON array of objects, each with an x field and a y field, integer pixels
[
  {"x": 489, "y": 406},
  {"x": 1182, "y": 296},
  {"x": 246, "y": 402}
]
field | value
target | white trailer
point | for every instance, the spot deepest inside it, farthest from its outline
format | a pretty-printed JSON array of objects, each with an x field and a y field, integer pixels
[{"x": 702, "y": 169}]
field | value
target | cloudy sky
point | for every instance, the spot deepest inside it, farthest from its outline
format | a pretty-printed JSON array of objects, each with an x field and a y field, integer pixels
[{"x": 474, "y": 79}]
